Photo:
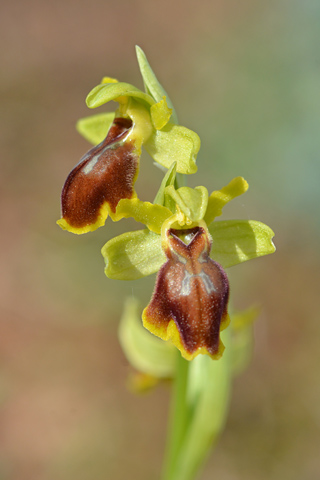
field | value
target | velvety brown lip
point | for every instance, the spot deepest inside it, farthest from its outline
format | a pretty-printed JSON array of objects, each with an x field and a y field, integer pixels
[
  {"x": 192, "y": 290},
  {"x": 109, "y": 177}
]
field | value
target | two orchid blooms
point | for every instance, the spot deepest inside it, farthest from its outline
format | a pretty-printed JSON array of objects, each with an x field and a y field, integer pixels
[{"x": 181, "y": 241}]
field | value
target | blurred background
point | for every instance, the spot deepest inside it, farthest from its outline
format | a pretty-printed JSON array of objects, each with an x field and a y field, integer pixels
[{"x": 245, "y": 76}]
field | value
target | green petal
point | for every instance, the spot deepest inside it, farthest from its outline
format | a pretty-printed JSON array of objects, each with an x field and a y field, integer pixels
[
  {"x": 147, "y": 213},
  {"x": 167, "y": 180},
  {"x": 151, "y": 83},
  {"x": 95, "y": 128},
  {"x": 174, "y": 143},
  {"x": 160, "y": 114},
  {"x": 133, "y": 255},
  {"x": 105, "y": 92},
  {"x": 191, "y": 201},
  {"x": 144, "y": 351},
  {"x": 236, "y": 241},
  {"x": 219, "y": 198}
]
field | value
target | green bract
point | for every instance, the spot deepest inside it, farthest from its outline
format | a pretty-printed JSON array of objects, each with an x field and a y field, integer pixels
[{"x": 145, "y": 352}]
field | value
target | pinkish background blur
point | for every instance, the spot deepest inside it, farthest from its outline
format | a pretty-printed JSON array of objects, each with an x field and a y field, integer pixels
[{"x": 244, "y": 75}]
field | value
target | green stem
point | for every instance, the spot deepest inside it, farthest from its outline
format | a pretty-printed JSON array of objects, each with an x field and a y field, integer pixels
[
  {"x": 208, "y": 415},
  {"x": 199, "y": 411},
  {"x": 178, "y": 418}
]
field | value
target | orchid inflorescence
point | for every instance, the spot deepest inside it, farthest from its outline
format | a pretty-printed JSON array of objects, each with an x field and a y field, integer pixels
[{"x": 182, "y": 240}]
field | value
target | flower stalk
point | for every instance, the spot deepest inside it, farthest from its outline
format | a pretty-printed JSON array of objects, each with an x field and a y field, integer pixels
[{"x": 178, "y": 417}]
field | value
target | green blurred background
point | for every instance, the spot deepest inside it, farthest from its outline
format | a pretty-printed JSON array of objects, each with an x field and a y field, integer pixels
[{"x": 244, "y": 75}]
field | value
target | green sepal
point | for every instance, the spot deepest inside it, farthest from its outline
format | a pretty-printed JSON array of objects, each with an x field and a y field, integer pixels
[
  {"x": 95, "y": 128},
  {"x": 105, "y": 92},
  {"x": 167, "y": 180},
  {"x": 236, "y": 241},
  {"x": 174, "y": 143},
  {"x": 152, "y": 85},
  {"x": 191, "y": 201},
  {"x": 133, "y": 255},
  {"x": 144, "y": 351}
]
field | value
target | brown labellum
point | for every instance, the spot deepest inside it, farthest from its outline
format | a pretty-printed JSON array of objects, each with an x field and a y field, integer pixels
[
  {"x": 192, "y": 290},
  {"x": 106, "y": 174}
]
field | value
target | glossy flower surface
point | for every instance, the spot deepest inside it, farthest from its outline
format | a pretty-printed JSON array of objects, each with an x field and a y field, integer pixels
[
  {"x": 189, "y": 303},
  {"x": 94, "y": 187}
]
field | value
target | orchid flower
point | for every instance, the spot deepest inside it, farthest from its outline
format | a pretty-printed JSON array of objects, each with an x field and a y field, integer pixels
[
  {"x": 190, "y": 251},
  {"x": 107, "y": 172}
]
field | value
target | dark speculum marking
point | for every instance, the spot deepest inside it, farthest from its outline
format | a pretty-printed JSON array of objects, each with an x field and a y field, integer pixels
[
  {"x": 192, "y": 290},
  {"x": 105, "y": 174}
]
